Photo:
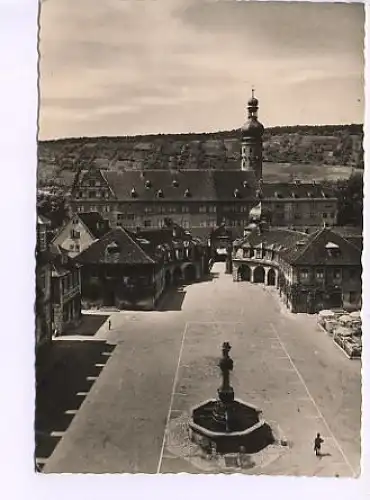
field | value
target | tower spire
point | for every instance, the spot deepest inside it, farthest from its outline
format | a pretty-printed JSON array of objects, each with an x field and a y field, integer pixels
[{"x": 252, "y": 132}]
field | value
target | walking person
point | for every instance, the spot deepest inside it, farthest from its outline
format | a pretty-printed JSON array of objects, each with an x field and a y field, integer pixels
[
  {"x": 317, "y": 445},
  {"x": 109, "y": 324}
]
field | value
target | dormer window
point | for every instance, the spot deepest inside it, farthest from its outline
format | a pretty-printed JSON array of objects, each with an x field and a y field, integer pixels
[
  {"x": 187, "y": 193},
  {"x": 309, "y": 194},
  {"x": 332, "y": 249},
  {"x": 278, "y": 195},
  {"x": 148, "y": 184},
  {"x": 112, "y": 249},
  {"x": 236, "y": 193},
  {"x": 175, "y": 183},
  {"x": 133, "y": 193},
  {"x": 160, "y": 193},
  {"x": 294, "y": 195},
  {"x": 323, "y": 194},
  {"x": 245, "y": 184}
]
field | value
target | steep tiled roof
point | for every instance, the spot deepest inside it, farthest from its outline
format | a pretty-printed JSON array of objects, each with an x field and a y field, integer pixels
[
  {"x": 293, "y": 190},
  {"x": 115, "y": 247},
  {"x": 234, "y": 184},
  {"x": 172, "y": 184},
  {"x": 176, "y": 185},
  {"x": 283, "y": 238},
  {"x": 315, "y": 251},
  {"x": 164, "y": 236},
  {"x": 347, "y": 231},
  {"x": 357, "y": 241},
  {"x": 61, "y": 263},
  {"x": 95, "y": 223},
  {"x": 201, "y": 233}
]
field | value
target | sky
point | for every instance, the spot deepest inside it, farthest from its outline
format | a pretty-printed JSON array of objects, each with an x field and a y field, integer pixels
[{"x": 129, "y": 67}]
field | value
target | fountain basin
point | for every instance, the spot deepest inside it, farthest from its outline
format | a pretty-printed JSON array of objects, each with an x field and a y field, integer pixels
[{"x": 247, "y": 430}]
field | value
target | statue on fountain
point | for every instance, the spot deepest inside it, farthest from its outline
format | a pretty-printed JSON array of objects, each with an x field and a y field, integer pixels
[
  {"x": 225, "y": 423},
  {"x": 222, "y": 411}
]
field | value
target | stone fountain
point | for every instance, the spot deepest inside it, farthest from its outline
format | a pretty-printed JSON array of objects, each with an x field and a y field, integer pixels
[{"x": 226, "y": 424}]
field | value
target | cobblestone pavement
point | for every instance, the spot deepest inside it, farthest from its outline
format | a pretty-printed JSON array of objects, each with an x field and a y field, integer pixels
[{"x": 165, "y": 362}]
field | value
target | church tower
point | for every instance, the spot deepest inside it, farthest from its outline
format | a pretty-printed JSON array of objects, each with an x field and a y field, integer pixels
[{"x": 251, "y": 140}]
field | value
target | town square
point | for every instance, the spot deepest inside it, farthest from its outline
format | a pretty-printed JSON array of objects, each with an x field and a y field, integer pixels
[{"x": 284, "y": 363}]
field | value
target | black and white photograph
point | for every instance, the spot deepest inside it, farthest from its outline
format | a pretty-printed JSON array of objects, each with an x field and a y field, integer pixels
[{"x": 198, "y": 283}]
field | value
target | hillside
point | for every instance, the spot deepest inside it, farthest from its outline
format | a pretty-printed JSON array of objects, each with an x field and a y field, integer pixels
[{"x": 289, "y": 151}]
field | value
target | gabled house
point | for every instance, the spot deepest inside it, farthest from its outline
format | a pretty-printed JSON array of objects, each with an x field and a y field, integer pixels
[
  {"x": 325, "y": 273},
  {"x": 119, "y": 271},
  {"x": 312, "y": 272},
  {"x": 80, "y": 232}
]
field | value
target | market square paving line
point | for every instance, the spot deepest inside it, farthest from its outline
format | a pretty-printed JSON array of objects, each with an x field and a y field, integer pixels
[
  {"x": 314, "y": 402},
  {"x": 175, "y": 380}
]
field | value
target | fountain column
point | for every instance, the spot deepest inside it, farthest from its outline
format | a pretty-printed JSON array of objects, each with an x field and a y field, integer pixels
[{"x": 225, "y": 392}]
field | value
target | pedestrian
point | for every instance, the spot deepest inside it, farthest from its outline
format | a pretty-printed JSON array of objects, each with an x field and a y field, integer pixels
[
  {"x": 317, "y": 445},
  {"x": 109, "y": 324}
]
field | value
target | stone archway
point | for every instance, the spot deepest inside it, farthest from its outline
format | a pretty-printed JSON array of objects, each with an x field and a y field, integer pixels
[
  {"x": 177, "y": 275},
  {"x": 190, "y": 273},
  {"x": 259, "y": 275},
  {"x": 244, "y": 273},
  {"x": 271, "y": 277}
]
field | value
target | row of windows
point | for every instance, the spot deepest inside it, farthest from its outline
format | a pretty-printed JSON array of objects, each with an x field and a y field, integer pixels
[
  {"x": 312, "y": 215},
  {"x": 259, "y": 253},
  {"x": 203, "y": 209},
  {"x": 93, "y": 194},
  {"x": 93, "y": 208},
  {"x": 161, "y": 223},
  {"x": 165, "y": 209},
  {"x": 236, "y": 208},
  {"x": 238, "y": 223},
  {"x": 299, "y": 216},
  {"x": 319, "y": 274}
]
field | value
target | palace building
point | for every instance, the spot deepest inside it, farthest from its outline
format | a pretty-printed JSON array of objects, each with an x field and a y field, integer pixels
[{"x": 203, "y": 198}]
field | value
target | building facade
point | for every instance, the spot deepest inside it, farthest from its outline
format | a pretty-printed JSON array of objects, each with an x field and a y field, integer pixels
[
  {"x": 190, "y": 198},
  {"x": 66, "y": 291},
  {"x": 43, "y": 287},
  {"x": 80, "y": 232},
  {"x": 312, "y": 272},
  {"x": 131, "y": 271}
]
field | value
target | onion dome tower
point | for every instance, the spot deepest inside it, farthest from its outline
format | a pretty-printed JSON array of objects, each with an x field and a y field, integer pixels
[{"x": 251, "y": 140}]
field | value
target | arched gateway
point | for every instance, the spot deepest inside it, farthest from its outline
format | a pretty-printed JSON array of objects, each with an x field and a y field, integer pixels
[
  {"x": 271, "y": 277},
  {"x": 244, "y": 273},
  {"x": 259, "y": 275}
]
